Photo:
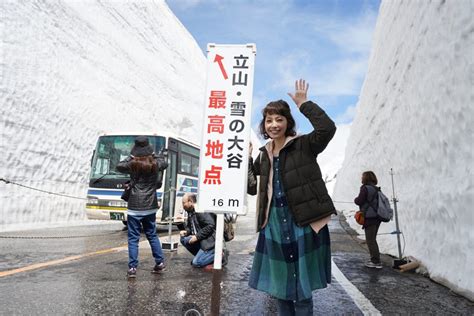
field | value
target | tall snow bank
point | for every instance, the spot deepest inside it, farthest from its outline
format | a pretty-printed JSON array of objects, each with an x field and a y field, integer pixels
[
  {"x": 331, "y": 159},
  {"x": 415, "y": 115},
  {"x": 72, "y": 70}
]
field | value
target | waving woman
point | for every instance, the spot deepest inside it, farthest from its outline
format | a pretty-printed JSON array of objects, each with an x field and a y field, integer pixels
[{"x": 293, "y": 255}]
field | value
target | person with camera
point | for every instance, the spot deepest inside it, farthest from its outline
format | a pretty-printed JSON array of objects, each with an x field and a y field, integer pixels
[
  {"x": 199, "y": 235},
  {"x": 146, "y": 171}
]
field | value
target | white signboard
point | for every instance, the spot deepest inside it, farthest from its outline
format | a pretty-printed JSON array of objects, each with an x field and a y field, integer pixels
[{"x": 223, "y": 163}]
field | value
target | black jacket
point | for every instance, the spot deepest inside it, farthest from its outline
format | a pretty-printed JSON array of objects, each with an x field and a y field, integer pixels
[
  {"x": 304, "y": 186},
  {"x": 204, "y": 227},
  {"x": 143, "y": 194}
]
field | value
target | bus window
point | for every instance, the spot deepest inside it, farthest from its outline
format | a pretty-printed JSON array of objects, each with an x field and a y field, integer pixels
[
  {"x": 107, "y": 155},
  {"x": 189, "y": 159},
  {"x": 189, "y": 149},
  {"x": 102, "y": 166},
  {"x": 186, "y": 162},
  {"x": 112, "y": 149},
  {"x": 170, "y": 186},
  {"x": 195, "y": 166}
]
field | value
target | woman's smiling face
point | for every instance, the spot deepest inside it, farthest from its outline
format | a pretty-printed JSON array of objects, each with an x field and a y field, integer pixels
[{"x": 275, "y": 126}]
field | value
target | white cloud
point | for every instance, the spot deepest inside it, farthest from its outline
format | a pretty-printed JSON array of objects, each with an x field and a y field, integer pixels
[
  {"x": 347, "y": 116},
  {"x": 354, "y": 36},
  {"x": 342, "y": 75},
  {"x": 329, "y": 50},
  {"x": 258, "y": 104}
]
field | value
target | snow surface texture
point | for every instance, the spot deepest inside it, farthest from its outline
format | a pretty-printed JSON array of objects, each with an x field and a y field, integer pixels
[
  {"x": 70, "y": 71},
  {"x": 331, "y": 159},
  {"x": 415, "y": 115}
]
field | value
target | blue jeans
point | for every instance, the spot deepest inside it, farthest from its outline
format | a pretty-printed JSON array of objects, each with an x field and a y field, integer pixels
[
  {"x": 201, "y": 258},
  {"x": 135, "y": 224},
  {"x": 293, "y": 308}
]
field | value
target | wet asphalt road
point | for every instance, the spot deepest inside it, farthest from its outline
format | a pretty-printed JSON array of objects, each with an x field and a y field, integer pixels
[{"x": 97, "y": 284}]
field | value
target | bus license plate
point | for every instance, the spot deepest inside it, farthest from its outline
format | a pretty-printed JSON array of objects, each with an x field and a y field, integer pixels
[{"x": 116, "y": 216}]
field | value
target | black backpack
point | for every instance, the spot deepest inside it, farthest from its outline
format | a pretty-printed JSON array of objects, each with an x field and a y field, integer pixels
[
  {"x": 229, "y": 219},
  {"x": 383, "y": 209}
]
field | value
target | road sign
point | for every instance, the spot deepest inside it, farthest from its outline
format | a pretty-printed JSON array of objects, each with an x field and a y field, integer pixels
[{"x": 226, "y": 133}]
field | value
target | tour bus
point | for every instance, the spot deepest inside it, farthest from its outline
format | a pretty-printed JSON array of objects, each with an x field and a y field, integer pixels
[{"x": 106, "y": 184}]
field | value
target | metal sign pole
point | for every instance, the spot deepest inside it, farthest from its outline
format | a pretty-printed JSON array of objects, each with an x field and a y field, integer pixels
[
  {"x": 170, "y": 245},
  {"x": 394, "y": 198},
  {"x": 223, "y": 159},
  {"x": 217, "y": 272},
  {"x": 219, "y": 241},
  {"x": 170, "y": 229}
]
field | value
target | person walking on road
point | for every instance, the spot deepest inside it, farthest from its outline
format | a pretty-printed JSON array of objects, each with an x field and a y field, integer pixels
[
  {"x": 368, "y": 203},
  {"x": 145, "y": 170},
  {"x": 199, "y": 237},
  {"x": 293, "y": 254}
]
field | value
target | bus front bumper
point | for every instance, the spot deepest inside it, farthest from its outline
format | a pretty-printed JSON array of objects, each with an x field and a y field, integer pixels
[{"x": 106, "y": 213}]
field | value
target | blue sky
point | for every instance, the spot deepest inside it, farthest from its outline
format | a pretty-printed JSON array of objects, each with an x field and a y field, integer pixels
[{"x": 326, "y": 42}]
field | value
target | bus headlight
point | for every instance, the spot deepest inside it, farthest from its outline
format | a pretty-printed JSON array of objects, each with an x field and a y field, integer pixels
[
  {"x": 117, "y": 203},
  {"x": 92, "y": 201}
]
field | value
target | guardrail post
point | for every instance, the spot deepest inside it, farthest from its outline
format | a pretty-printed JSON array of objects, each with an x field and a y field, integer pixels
[{"x": 169, "y": 245}]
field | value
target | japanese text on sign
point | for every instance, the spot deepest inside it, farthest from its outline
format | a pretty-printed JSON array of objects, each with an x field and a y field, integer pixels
[{"x": 225, "y": 140}]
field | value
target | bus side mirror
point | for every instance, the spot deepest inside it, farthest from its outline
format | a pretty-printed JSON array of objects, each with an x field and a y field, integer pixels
[{"x": 92, "y": 158}]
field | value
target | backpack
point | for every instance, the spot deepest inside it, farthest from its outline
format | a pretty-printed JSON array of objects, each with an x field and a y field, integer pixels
[
  {"x": 384, "y": 210},
  {"x": 229, "y": 233}
]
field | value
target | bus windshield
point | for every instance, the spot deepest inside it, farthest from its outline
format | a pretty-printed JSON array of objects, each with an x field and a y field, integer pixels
[{"x": 112, "y": 149}]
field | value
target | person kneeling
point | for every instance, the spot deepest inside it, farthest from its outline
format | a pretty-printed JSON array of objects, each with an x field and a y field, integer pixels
[{"x": 199, "y": 238}]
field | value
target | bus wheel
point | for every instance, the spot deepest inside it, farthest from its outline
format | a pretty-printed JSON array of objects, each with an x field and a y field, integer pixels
[{"x": 124, "y": 222}]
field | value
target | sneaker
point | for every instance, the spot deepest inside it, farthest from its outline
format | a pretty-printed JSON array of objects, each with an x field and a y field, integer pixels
[
  {"x": 158, "y": 268},
  {"x": 370, "y": 264},
  {"x": 132, "y": 273}
]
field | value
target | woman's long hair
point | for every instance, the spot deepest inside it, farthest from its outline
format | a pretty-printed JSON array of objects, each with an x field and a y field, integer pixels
[{"x": 143, "y": 165}]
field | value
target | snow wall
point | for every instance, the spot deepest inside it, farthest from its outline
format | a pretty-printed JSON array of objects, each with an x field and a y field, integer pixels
[
  {"x": 70, "y": 71},
  {"x": 415, "y": 115}
]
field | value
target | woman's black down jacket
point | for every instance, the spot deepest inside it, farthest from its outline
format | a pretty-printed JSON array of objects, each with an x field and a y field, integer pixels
[
  {"x": 143, "y": 194},
  {"x": 305, "y": 190}
]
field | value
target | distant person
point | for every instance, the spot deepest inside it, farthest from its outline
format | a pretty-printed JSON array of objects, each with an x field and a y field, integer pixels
[
  {"x": 199, "y": 236},
  {"x": 293, "y": 254},
  {"x": 368, "y": 203},
  {"x": 144, "y": 168}
]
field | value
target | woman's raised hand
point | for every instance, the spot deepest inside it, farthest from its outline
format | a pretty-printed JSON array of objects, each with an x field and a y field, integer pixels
[{"x": 301, "y": 92}]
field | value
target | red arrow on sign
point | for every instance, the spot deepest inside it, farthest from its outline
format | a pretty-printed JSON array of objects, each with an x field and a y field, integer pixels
[{"x": 219, "y": 58}]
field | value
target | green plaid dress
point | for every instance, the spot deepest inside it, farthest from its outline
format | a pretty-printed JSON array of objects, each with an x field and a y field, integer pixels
[{"x": 290, "y": 261}]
